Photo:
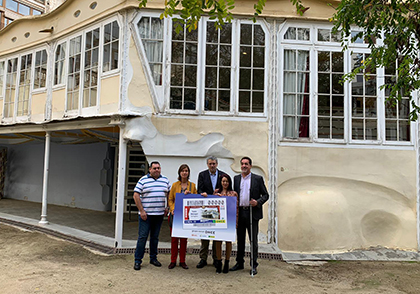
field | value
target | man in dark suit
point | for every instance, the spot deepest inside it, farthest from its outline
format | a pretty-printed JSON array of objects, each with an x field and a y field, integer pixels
[
  {"x": 252, "y": 194},
  {"x": 208, "y": 181}
]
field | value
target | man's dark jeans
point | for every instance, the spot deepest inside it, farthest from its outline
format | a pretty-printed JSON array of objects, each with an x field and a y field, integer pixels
[{"x": 151, "y": 225}]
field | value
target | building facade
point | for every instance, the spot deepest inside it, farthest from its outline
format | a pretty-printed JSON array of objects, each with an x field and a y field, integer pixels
[
  {"x": 108, "y": 86},
  {"x": 14, "y": 9}
]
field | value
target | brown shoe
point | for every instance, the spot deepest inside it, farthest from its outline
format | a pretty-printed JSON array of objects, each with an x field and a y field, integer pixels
[
  {"x": 171, "y": 265},
  {"x": 183, "y": 265}
]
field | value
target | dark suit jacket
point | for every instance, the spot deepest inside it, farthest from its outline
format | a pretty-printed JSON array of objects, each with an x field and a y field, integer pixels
[
  {"x": 258, "y": 191},
  {"x": 204, "y": 182}
]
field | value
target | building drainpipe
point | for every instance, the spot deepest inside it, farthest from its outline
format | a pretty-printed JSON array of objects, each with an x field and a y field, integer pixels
[
  {"x": 119, "y": 217},
  {"x": 44, "y": 220}
]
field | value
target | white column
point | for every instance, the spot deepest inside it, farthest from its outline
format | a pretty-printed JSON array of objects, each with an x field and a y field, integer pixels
[
  {"x": 45, "y": 183},
  {"x": 122, "y": 159}
]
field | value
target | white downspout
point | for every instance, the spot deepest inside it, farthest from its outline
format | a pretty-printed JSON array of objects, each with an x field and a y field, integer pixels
[{"x": 43, "y": 220}]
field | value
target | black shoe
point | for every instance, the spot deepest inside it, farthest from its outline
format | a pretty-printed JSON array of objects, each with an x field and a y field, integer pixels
[
  {"x": 218, "y": 265},
  {"x": 202, "y": 263},
  {"x": 226, "y": 267},
  {"x": 156, "y": 263},
  {"x": 237, "y": 266},
  {"x": 253, "y": 272},
  {"x": 137, "y": 266}
]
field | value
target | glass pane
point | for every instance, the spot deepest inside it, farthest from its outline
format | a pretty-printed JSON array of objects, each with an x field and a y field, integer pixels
[
  {"x": 258, "y": 102},
  {"x": 357, "y": 129},
  {"x": 357, "y": 108},
  {"x": 246, "y": 34},
  {"x": 303, "y": 104},
  {"x": 337, "y": 128},
  {"x": 191, "y": 53},
  {"x": 107, "y": 33},
  {"x": 404, "y": 130},
  {"x": 290, "y": 34},
  {"x": 177, "y": 52},
  {"x": 338, "y": 106},
  {"x": 115, "y": 30},
  {"x": 226, "y": 34},
  {"x": 404, "y": 108},
  {"x": 211, "y": 77},
  {"x": 337, "y": 62},
  {"x": 324, "y": 61},
  {"x": 337, "y": 86},
  {"x": 391, "y": 127},
  {"x": 390, "y": 109},
  {"x": 370, "y": 107},
  {"x": 258, "y": 79},
  {"x": 189, "y": 99},
  {"x": 259, "y": 56},
  {"x": 289, "y": 60},
  {"x": 289, "y": 127},
  {"x": 211, "y": 54},
  {"x": 303, "y": 60},
  {"x": 224, "y": 100},
  {"x": 289, "y": 82},
  {"x": 371, "y": 129},
  {"x": 176, "y": 75},
  {"x": 323, "y": 127},
  {"x": 303, "y": 34},
  {"x": 289, "y": 104},
  {"x": 191, "y": 36},
  {"x": 210, "y": 100},
  {"x": 303, "y": 127},
  {"x": 157, "y": 29},
  {"x": 245, "y": 57},
  {"x": 324, "y": 105},
  {"x": 224, "y": 79},
  {"x": 245, "y": 79},
  {"x": 191, "y": 76},
  {"x": 323, "y": 35},
  {"x": 225, "y": 55},
  {"x": 324, "y": 83},
  {"x": 176, "y": 98},
  {"x": 244, "y": 101},
  {"x": 212, "y": 35},
  {"x": 259, "y": 36}
]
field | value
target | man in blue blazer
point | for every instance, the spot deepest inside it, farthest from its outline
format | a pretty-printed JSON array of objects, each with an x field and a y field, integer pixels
[
  {"x": 208, "y": 181},
  {"x": 252, "y": 194}
]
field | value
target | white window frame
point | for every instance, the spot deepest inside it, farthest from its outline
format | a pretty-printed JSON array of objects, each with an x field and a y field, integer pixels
[
  {"x": 92, "y": 110},
  {"x": 162, "y": 93},
  {"x": 22, "y": 118},
  {"x": 62, "y": 84},
  {"x": 314, "y": 47}
]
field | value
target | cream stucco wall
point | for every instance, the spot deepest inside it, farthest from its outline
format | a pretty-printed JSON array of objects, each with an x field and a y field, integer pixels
[
  {"x": 38, "y": 103},
  {"x": 58, "y": 103},
  {"x": 138, "y": 90},
  {"x": 334, "y": 199},
  {"x": 110, "y": 94}
]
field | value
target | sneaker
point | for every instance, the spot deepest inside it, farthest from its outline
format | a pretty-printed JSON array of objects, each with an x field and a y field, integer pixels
[
  {"x": 202, "y": 263},
  {"x": 156, "y": 263},
  {"x": 137, "y": 266}
]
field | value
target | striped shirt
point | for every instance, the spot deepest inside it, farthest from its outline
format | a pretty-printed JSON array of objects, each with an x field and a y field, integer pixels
[{"x": 153, "y": 193}]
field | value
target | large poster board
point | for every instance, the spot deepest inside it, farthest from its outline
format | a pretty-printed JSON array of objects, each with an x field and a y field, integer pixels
[{"x": 198, "y": 217}]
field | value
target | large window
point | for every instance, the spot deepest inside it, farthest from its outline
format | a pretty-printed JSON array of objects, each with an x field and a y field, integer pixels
[
  {"x": 59, "y": 67},
  {"x": 2, "y": 71},
  {"x": 208, "y": 70},
  {"x": 73, "y": 76},
  {"x": 24, "y": 84},
  {"x": 40, "y": 79},
  {"x": 151, "y": 34},
  {"x": 90, "y": 83},
  {"x": 111, "y": 46},
  {"x": 318, "y": 106},
  {"x": 11, "y": 78}
]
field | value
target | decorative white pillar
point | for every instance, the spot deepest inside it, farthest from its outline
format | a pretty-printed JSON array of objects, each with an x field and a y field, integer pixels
[
  {"x": 119, "y": 217},
  {"x": 43, "y": 220}
]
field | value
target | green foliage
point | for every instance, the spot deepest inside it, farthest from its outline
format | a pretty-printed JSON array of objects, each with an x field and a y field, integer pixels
[
  {"x": 190, "y": 11},
  {"x": 397, "y": 24}
]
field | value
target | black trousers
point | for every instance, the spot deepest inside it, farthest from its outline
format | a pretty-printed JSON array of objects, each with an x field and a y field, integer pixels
[{"x": 244, "y": 225}]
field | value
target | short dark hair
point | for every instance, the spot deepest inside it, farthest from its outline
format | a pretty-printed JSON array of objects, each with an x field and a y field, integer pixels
[
  {"x": 154, "y": 162},
  {"x": 247, "y": 158},
  {"x": 180, "y": 170}
]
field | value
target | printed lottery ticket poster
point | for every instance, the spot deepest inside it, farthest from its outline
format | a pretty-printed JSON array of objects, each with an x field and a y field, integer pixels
[{"x": 198, "y": 217}]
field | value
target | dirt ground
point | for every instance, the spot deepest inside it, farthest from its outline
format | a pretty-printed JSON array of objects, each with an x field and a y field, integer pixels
[{"x": 32, "y": 262}]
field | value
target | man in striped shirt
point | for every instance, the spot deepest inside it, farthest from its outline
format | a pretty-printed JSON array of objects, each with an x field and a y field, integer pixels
[{"x": 150, "y": 195}]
